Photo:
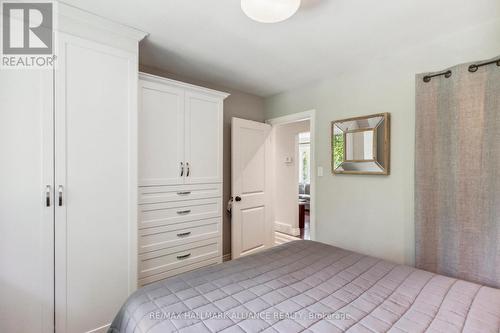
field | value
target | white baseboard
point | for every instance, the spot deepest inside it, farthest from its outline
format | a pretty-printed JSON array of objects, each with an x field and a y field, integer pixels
[
  {"x": 101, "y": 329},
  {"x": 281, "y": 238},
  {"x": 286, "y": 229},
  {"x": 226, "y": 257}
]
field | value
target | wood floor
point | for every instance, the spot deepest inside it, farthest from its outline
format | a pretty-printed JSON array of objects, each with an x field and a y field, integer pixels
[{"x": 305, "y": 232}]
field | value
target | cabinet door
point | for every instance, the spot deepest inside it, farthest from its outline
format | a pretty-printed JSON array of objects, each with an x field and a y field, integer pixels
[
  {"x": 161, "y": 134},
  {"x": 26, "y": 218},
  {"x": 203, "y": 138},
  {"x": 96, "y": 218}
]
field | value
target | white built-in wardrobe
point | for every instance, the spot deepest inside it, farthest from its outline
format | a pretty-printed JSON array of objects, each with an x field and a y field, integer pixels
[
  {"x": 180, "y": 177},
  {"x": 68, "y": 190}
]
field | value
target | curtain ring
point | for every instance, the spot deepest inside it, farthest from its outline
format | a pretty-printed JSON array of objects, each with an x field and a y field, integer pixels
[{"x": 474, "y": 68}]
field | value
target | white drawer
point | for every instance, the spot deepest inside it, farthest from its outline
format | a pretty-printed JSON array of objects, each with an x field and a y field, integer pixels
[
  {"x": 156, "y": 262},
  {"x": 150, "y": 279},
  {"x": 156, "y": 194},
  {"x": 158, "y": 214},
  {"x": 157, "y": 238}
]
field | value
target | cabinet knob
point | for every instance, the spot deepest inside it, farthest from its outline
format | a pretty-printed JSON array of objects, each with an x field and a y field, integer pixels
[{"x": 238, "y": 198}]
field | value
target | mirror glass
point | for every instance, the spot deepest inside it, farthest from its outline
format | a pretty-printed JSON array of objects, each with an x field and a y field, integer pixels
[{"x": 361, "y": 145}]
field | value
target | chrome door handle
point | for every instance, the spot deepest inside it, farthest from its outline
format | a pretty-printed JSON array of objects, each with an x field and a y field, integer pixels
[
  {"x": 188, "y": 169},
  {"x": 60, "y": 191},
  {"x": 182, "y": 169},
  {"x": 184, "y": 193},
  {"x": 184, "y": 256},
  {"x": 183, "y": 212},
  {"x": 48, "y": 189},
  {"x": 183, "y": 234}
]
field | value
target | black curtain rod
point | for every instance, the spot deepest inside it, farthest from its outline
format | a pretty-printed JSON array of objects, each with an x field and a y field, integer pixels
[
  {"x": 472, "y": 68},
  {"x": 428, "y": 78}
]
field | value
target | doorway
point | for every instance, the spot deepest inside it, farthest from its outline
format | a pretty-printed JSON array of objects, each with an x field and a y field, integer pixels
[
  {"x": 304, "y": 182},
  {"x": 293, "y": 169},
  {"x": 268, "y": 206}
]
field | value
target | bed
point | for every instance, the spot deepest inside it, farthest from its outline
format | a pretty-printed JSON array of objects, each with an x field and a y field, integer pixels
[{"x": 306, "y": 286}]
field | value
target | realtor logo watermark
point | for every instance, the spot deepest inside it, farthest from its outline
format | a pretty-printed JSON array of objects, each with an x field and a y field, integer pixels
[{"x": 27, "y": 34}]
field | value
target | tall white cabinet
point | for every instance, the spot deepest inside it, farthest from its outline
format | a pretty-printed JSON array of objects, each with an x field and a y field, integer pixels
[
  {"x": 180, "y": 177},
  {"x": 68, "y": 213}
]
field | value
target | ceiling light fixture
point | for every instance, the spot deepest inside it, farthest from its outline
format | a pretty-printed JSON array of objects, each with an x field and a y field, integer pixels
[{"x": 270, "y": 11}]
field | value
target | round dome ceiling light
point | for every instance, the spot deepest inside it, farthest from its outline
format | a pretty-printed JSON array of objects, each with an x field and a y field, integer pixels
[{"x": 270, "y": 11}]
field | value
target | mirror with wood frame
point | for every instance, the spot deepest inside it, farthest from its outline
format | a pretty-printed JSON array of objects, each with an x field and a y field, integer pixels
[{"x": 361, "y": 145}]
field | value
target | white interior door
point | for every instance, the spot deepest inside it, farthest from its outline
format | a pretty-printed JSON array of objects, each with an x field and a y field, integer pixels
[
  {"x": 252, "y": 228},
  {"x": 96, "y": 219},
  {"x": 26, "y": 217},
  {"x": 161, "y": 134},
  {"x": 203, "y": 138}
]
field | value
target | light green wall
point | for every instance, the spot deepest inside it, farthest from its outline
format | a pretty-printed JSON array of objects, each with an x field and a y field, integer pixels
[{"x": 374, "y": 214}]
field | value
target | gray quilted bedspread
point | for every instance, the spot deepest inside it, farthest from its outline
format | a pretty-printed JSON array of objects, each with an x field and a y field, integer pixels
[{"x": 305, "y": 286}]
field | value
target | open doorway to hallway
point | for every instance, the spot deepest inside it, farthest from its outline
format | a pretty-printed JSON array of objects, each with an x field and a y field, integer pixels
[
  {"x": 292, "y": 168},
  {"x": 273, "y": 182},
  {"x": 304, "y": 179}
]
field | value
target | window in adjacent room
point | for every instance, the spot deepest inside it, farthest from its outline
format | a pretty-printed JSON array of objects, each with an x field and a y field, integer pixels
[{"x": 304, "y": 158}]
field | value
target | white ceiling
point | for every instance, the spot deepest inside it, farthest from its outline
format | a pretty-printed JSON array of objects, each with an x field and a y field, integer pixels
[{"x": 213, "y": 41}]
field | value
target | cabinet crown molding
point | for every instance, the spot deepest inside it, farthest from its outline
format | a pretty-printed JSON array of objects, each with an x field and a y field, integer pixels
[
  {"x": 163, "y": 80},
  {"x": 81, "y": 23}
]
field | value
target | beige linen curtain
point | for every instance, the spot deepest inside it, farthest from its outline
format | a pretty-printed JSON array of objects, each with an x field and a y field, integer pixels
[{"x": 457, "y": 174}]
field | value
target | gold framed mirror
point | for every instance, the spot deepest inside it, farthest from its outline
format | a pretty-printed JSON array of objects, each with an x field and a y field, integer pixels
[{"x": 361, "y": 145}]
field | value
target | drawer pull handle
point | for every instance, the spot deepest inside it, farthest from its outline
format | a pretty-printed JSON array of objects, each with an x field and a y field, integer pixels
[
  {"x": 47, "y": 195},
  {"x": 185, "y": 256},
  {"x": 184, "y": 193},
  {"x": 184, "y": 212},
  {"x": 60, "y": 190},
  {"x": 183, "y": 234}
]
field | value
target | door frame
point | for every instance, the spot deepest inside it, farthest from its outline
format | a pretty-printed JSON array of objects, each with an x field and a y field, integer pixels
[{"x": 292, "y": 118}]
